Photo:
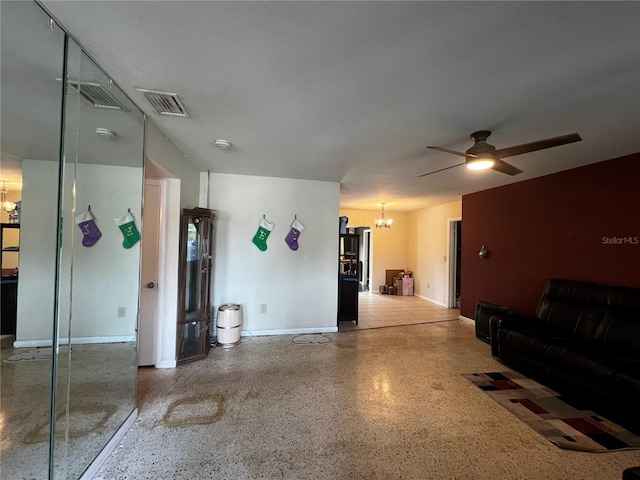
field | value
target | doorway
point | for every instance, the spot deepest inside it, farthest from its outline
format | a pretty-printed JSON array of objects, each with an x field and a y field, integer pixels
[{"x": 455, "y": 263}]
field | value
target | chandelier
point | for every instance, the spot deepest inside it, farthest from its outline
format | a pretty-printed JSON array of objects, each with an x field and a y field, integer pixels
[
  {"x": 383, "y": 222},
  {"x": 4, "y": 205}
]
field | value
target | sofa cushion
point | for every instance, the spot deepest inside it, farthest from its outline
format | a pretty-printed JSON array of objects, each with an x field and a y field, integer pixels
[
  {"x": 571, "y": 359},
  {"x": 586, "y": 362},
  {"x": 628, "y": 384},
  {"x": 624, "y": 299},
  {"x": 619, "y": 333},
  {"x": 529, "y": 342},
  {"x": 627, "y": 378},
  {"x": 573, "y": 309}
]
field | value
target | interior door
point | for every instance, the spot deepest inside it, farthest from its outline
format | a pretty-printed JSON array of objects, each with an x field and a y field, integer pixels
[{"x": 149, "y": 290}]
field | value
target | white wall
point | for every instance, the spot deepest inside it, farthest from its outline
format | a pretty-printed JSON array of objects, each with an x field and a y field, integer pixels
[
  {"x": 164, "y": 153},
  {"x": 389, "y": 246},
  {"x": 428, "y": 249},
  {"x": 300, "y": 288},
  {"x": 38, "y": 220},
  {"x": 105, "y": 276}
]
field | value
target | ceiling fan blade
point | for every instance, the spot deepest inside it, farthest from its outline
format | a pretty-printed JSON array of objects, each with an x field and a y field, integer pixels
[
  {"x": 441, "y": 170},
  {"x": 505, "y": 167},
  {"x": 446, "y": 150},
  {"x": 539, "y": 145}
]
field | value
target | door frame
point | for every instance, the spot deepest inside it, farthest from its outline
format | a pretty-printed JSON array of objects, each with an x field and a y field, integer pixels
[
  {"x": 162, "y": 235},
  {"x": 451, "y": 261},
  {"x": 366, "y": 274}
]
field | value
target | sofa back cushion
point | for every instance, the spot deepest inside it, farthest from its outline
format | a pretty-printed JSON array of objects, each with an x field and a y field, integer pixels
[
  {"x": 573, "y": 309},
  {"x": 620, "y": 330}
]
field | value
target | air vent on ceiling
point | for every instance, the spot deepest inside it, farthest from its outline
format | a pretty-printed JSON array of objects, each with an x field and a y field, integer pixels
[
  {"x": 97, "y": 95},
  {"x": 165, "y": 103}
]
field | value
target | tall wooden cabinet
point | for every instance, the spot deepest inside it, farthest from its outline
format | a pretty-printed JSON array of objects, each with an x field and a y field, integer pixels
[{"x": 196, "y": 263}]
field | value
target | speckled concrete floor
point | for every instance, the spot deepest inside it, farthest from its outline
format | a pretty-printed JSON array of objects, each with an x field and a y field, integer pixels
[
  {"x": 99, "y": 379},
  {"x": 385, "y": 403}
]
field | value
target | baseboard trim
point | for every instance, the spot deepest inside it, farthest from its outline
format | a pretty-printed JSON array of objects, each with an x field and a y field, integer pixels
[
  {"x": 440, "y": 304},
  {"x": 74, "y": 341},
  {"x": 288, "y": 331},
  {"x": 91, "y": 472},
  {"x": 167, "y": 364},
  {"x": 467, "y": 320}
]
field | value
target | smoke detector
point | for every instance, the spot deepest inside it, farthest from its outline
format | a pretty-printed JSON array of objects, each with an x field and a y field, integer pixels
[
  {"x": 222, "y": 144},
  {"x": 105, "y": 132}
]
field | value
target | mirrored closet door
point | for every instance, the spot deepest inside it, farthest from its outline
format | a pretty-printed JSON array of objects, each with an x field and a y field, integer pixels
[{"x": 72, "y": 158}]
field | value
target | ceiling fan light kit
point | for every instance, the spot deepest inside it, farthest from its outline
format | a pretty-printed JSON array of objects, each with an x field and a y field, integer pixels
[
  {"x": 482, "y": 163},
  {"x": 482, "y": 155}
]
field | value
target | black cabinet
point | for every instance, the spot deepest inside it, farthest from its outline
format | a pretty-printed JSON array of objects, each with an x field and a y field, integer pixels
[
  {"x": 348, "y": 299},
  {"x": 348, "y": 277},
  {"x": 9, "y": 253},
  {"x": 194, "y": 309}
]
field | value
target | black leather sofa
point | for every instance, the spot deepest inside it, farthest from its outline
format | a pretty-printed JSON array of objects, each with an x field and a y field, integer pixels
[{"x": 584, "y": 342}]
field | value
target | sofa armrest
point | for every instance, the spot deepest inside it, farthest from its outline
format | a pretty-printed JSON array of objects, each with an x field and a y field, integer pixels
[{"x": 513, "y": 321}]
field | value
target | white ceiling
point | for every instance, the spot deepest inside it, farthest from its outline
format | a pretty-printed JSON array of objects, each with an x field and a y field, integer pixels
[{"x": 352, "y": 92}]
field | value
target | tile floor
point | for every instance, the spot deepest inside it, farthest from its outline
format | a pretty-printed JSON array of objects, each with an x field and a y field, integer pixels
[
  {"x": 377, "y": 311},
  {"x": 377, "y": 403}
]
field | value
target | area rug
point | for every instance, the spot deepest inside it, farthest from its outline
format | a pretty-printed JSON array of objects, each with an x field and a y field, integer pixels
[{"x": 549, "y": 414}]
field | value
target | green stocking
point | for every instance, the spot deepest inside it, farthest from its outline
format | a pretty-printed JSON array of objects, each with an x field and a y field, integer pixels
[
  {"x": 264, "y": 229},
  {"x": 127, "y": 226}
]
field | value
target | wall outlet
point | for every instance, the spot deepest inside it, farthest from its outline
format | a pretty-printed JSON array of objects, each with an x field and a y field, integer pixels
[
  {"x": 263, "y": 308},
  {"x": 428, "y": 285},
  {"x": 120, "y": 312}
]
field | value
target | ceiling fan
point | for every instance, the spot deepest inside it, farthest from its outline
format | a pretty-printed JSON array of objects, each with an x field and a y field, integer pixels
[{"x": 482, "y": 155}]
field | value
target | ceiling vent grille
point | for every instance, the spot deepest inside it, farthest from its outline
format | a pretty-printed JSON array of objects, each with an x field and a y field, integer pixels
[
  {"x": 97, "y": 95},
  {"x": 165, "y": 103}
]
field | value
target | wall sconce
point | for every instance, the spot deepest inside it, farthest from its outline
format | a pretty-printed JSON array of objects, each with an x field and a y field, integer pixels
[
  {"x": 483, "y": 252},
  {"x": 382, "y": 222}
]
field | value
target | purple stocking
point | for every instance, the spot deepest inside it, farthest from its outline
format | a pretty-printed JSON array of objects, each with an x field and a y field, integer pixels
[
  {"x": 294, "y": 233},
  {"x": 90, "y": 231}
]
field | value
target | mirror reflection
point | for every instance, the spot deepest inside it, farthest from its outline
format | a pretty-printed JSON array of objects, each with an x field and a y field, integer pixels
[
  {"x": 103, "y": 177},
  {"x": 70, "y": 262},
  {"x": 32, "y": 58}
]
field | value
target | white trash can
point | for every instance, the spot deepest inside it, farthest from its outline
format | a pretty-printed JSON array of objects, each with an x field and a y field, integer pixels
[{"x": 229, "y": 325}]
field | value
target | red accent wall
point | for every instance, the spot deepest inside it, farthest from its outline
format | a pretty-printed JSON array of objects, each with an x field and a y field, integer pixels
[{"x": 552, "y": 227}]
